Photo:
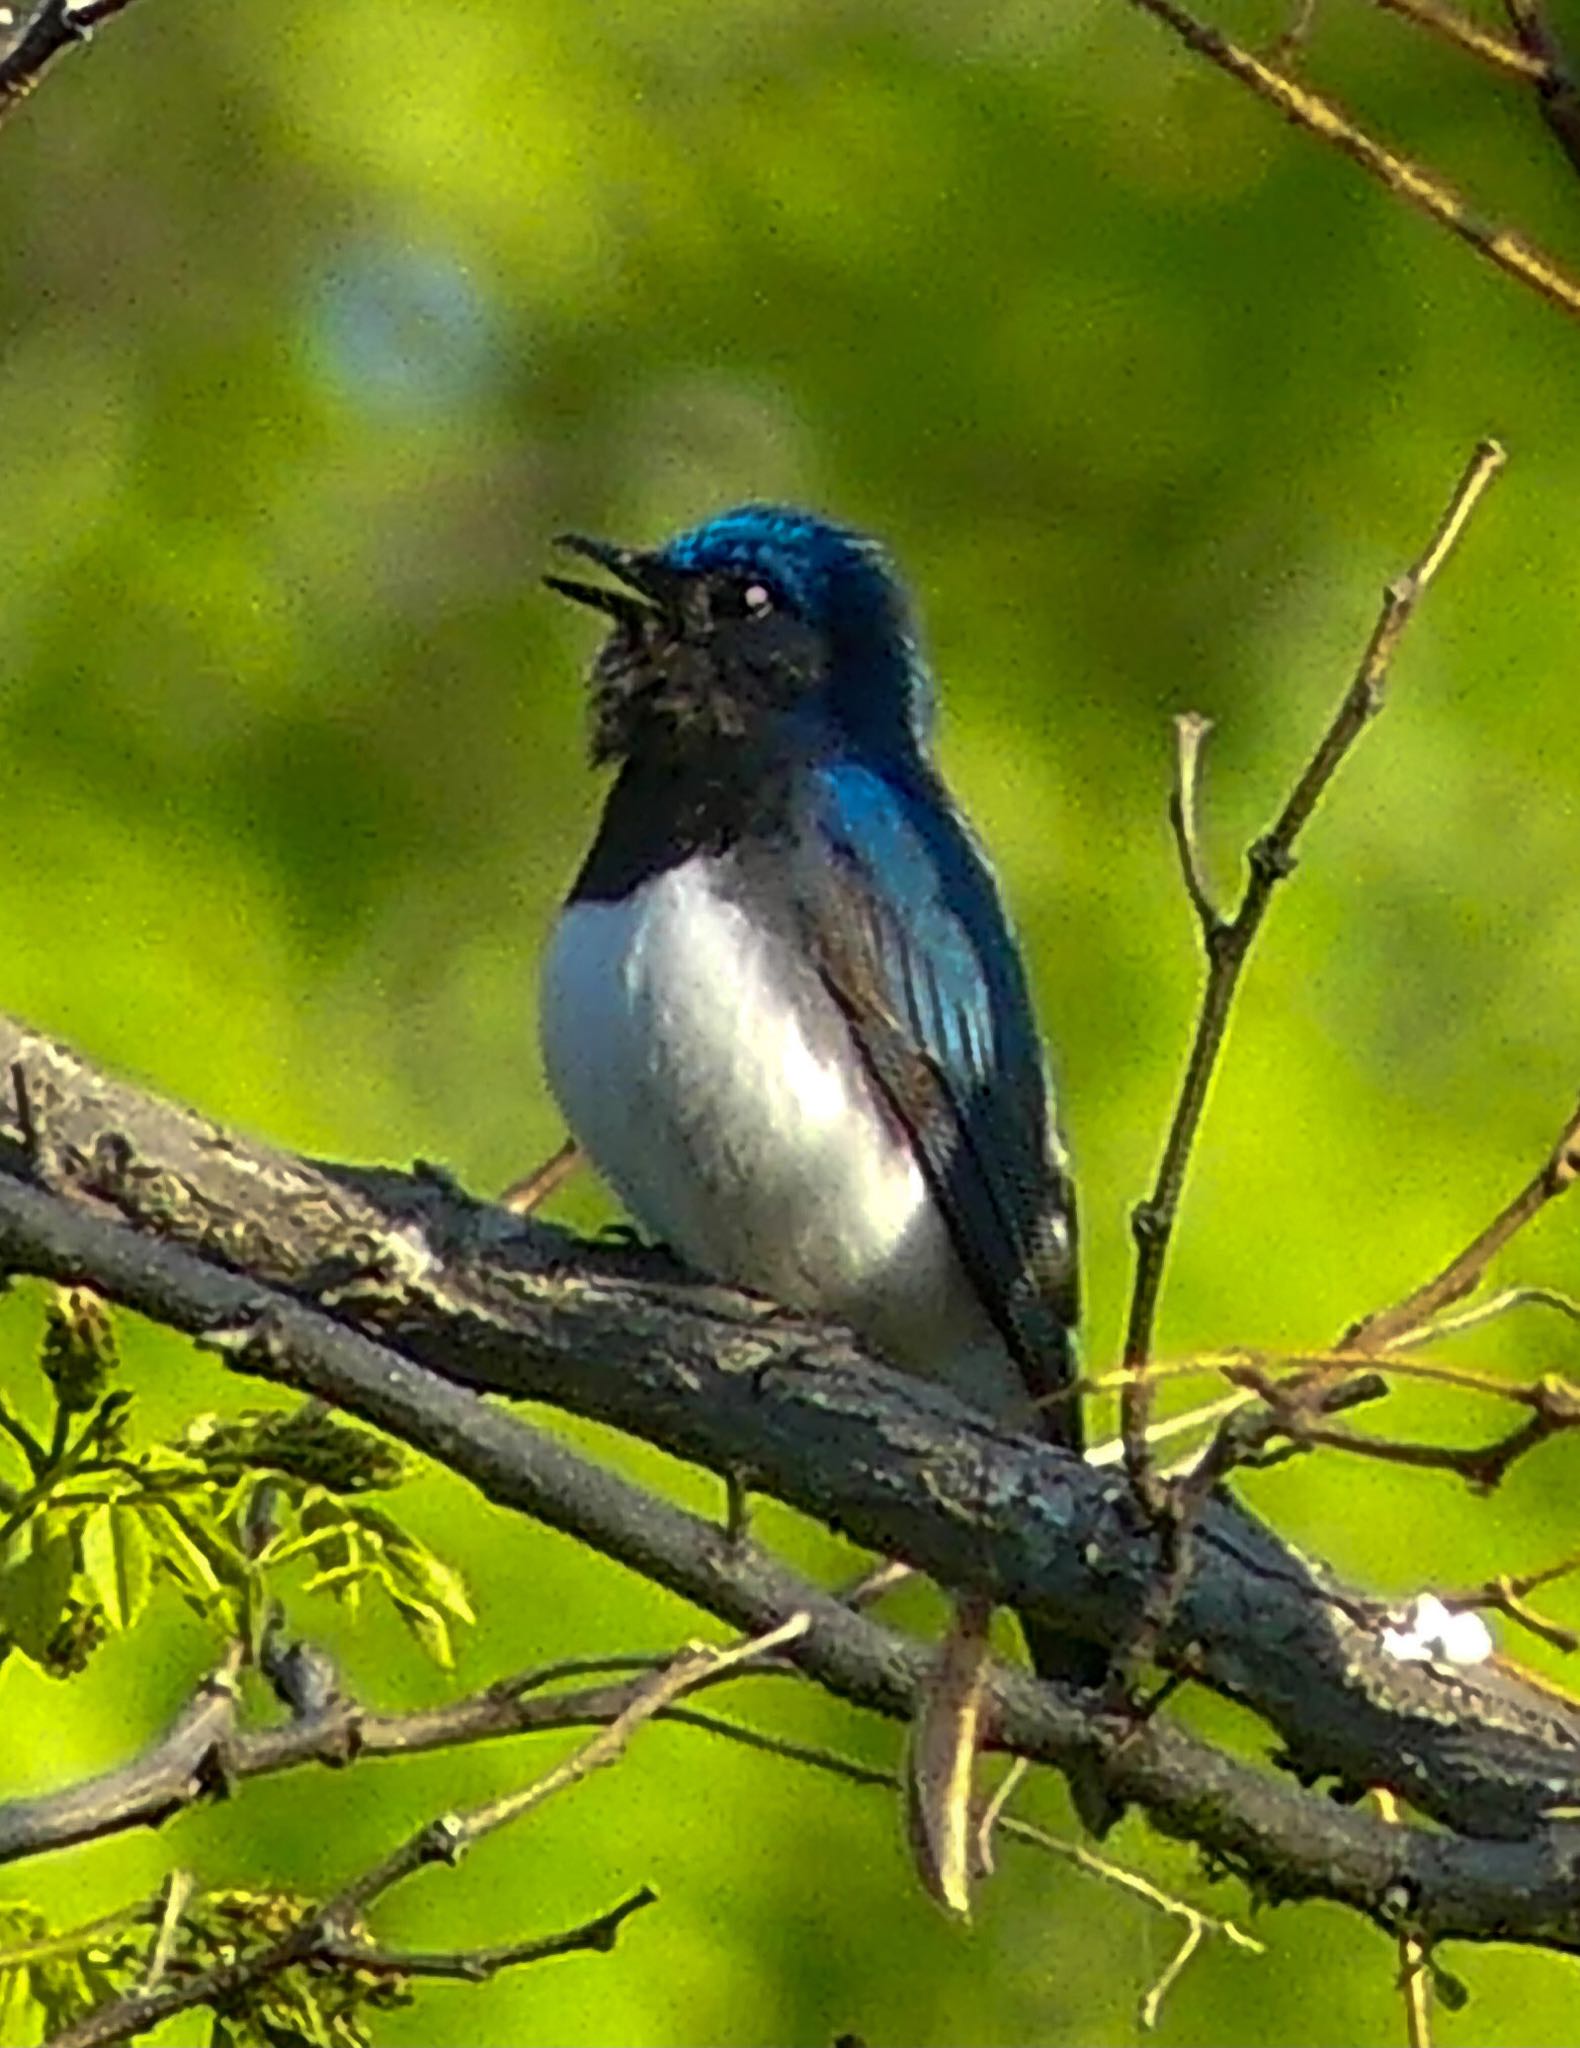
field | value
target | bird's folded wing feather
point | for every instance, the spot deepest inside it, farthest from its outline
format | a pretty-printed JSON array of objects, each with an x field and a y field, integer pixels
[{"x": 910, "y": 938}]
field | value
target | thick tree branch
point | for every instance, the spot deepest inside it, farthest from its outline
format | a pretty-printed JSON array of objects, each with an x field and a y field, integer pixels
[{"x": 156, "y": 1208}]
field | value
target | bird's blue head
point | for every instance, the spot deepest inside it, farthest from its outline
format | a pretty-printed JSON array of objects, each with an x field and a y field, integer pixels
[{"x": 756, "y": 616}]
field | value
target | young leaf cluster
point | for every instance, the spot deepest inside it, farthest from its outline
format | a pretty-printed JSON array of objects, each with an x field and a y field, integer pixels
[
  {"x": 225, "y": 1517},
  {"x": 48, "y": 1981}
]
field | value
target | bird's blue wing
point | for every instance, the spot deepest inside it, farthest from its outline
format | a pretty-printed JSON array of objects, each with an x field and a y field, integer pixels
[{"x": 910, "y": 937}]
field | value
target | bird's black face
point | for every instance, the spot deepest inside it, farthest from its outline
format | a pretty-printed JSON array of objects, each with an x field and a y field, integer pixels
[{"x": 699, "y": 658}]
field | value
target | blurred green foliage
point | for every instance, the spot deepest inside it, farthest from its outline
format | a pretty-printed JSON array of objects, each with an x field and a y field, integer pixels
[{"x": 319, "y": 320}]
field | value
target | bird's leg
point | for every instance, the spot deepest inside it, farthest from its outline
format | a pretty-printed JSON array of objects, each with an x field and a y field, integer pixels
[
  {"x": 525, "y": 1195},
  {"x": 939, "y": 1822}
]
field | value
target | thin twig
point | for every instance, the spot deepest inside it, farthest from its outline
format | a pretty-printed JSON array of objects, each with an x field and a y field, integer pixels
[
  {"x": 476, "y": 1966},
  {"x": 1112, "y": 1450},
  {"x": 1294, "y": 38},
  {"x": 1509, "y": 1594},
  {"x": 1295, "y": 1412},
  {"x": 1415, "y": 1978},
  {"x": 1271, "y": 858},
  {"x": 1420, "y": 188},
  {"x": 1389, "y": 1326},
  {"x": 322, "y": 1931},
  {"x": 1502, "y": 1303},
  {"x": 1190, "y": 733},
  {"x": 177, "y": 1897},
  {"x": 1453, "y": 27},
  {"x": 1557, "y": 91},
  {"x": 994, "y": 1821}
]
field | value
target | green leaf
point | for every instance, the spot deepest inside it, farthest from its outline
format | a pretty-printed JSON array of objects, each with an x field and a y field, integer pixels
[
  {"x": 61, "y": 1988},
  {"x": 256, "y": 1609},
  {"x": 115, "y": 1559},
  {"x": 16, "y": 2004},
  {"x": 435, "y": 1580},
  {"x": 347, "y": 1569},
  {"x": 36, "y": 1570},
  {"x": 429, "y": 1576},
  {"x": 429, "y": 1626},
  {"x": 320, "y": 1542},
  {"x": 175, "y": 1549},
  {"x": 210, "y": 1556}
]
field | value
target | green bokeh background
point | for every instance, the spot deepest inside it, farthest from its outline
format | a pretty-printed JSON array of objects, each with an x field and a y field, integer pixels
[{"x": 318, "y": 321}]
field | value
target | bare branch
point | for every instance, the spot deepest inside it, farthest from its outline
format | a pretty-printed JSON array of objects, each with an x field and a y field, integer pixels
[
  {"x": 1418, "y": 187},
  {"x": 174, "y": 1771},
  {"x": 1228, "y": 944},
  {"x": 328, "y": 1933},
  {"x": 1190, "y": 732},
  {"x": 1556, "y": 87},
  {"x": 1503, "y": 1303},
  {"x": 1387, "y": 1327},
  {"x": 475, "y": 1966},
  {"x": 1511, "y": 60},
  {"x": 1509, "y": 1593}
]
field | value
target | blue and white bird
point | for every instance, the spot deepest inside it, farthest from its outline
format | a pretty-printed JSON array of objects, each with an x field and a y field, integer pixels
[{"x": 783, "y": 1012}]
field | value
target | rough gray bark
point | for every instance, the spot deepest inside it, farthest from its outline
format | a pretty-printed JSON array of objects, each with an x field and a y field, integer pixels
[{"x": 393, "y": 1294}]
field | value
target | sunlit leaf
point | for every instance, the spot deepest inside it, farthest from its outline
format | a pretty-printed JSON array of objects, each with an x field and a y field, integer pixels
[
  {"x": 17, "y": 2004},
  {"x": 36, "y": 1571},
  {"x": 116, "y": 1562},
  {"x": 429, "y": 1576},
  {"x": 428, "y": 1625}
]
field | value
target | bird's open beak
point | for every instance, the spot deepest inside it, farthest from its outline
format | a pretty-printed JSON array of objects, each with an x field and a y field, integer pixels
[{"x": 649, "y": 584}]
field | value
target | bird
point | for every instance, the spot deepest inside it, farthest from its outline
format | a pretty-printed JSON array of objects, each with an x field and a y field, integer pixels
[{"x": 783, "y": 1011}]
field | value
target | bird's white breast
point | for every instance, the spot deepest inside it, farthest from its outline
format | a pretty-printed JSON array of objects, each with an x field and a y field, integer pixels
[{"x": 714, "y": 1084}]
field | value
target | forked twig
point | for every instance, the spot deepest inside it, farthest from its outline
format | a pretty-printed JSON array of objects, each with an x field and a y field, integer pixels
[
  {"x": 1228, "y": 942},
  {"x": 1503, "y": 1303},
  {"x": 327, "y": 1933},
  {"x": 1509, "y": 1594},
  {"x": 1387, "y": 1327}
]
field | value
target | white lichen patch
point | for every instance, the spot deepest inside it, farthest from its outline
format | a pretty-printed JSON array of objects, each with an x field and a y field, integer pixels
[{"x": 1429, "y": 1632}]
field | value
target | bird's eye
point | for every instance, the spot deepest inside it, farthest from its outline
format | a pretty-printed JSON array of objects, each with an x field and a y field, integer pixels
[{"x": 757, "y": 599}]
